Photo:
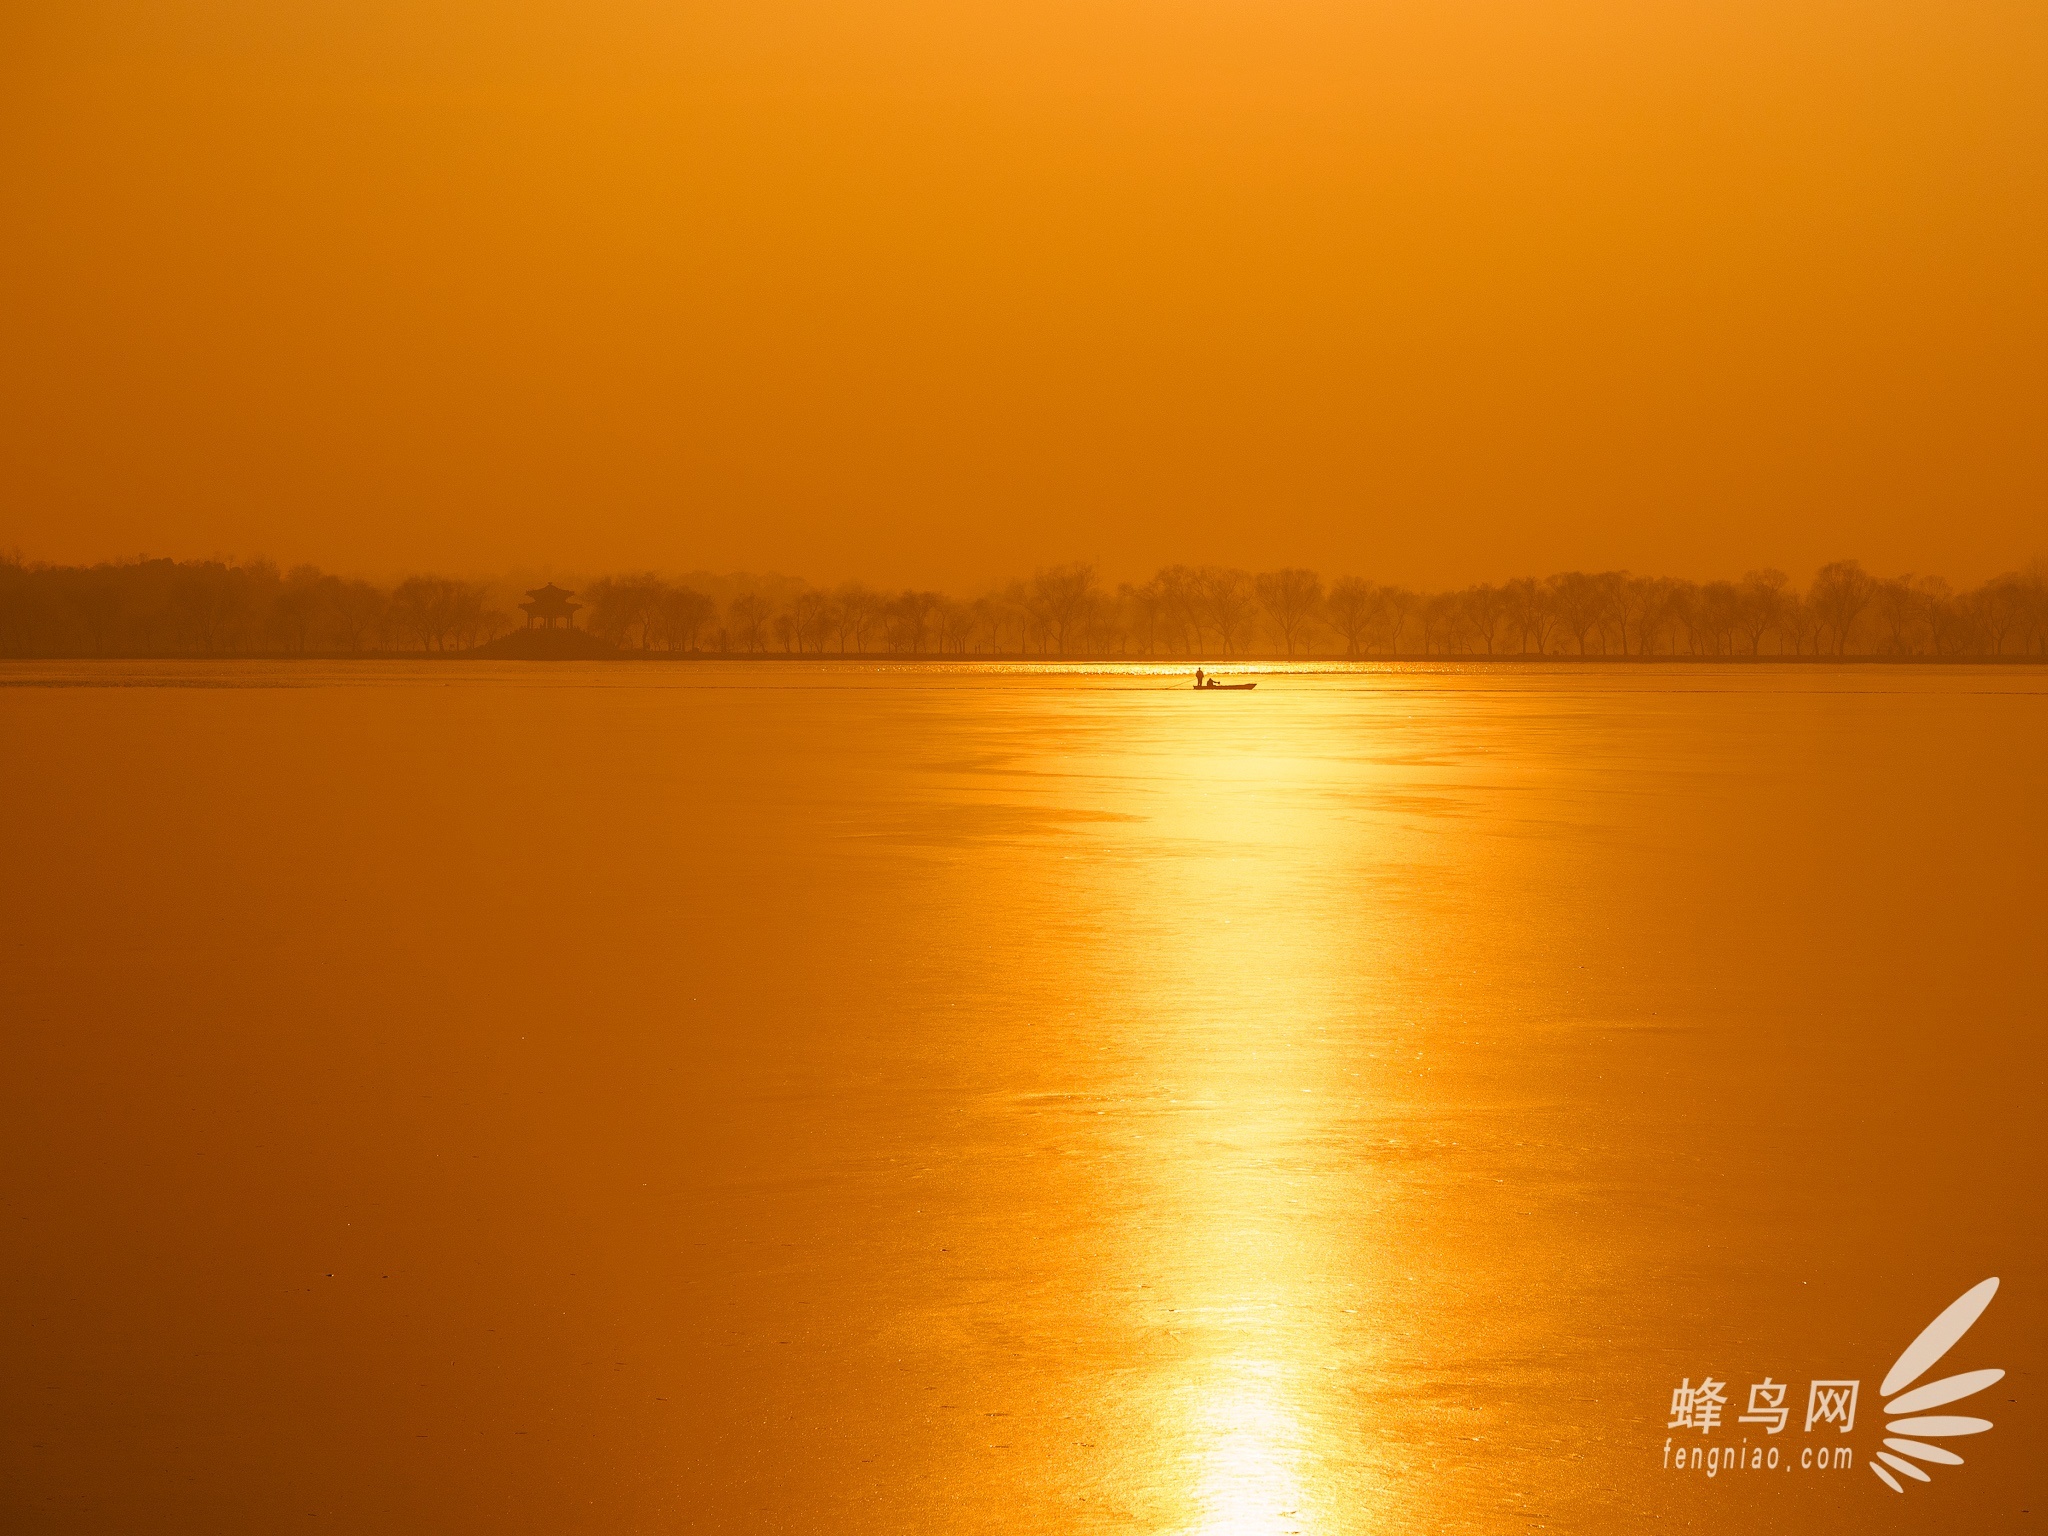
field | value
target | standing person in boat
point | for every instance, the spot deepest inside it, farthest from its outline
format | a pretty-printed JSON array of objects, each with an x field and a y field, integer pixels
[{"x": 1198, "y": 677}]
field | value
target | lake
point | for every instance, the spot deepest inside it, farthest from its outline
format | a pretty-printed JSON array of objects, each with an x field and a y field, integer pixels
[{"x": 944, "y": 1098}]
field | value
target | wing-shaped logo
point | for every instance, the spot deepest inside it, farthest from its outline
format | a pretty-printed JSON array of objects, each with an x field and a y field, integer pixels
[{"x": 1935, "y": 1340}]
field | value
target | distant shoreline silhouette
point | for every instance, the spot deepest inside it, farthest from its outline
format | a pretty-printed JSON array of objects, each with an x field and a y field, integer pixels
[{"x": 171, "y": 609}]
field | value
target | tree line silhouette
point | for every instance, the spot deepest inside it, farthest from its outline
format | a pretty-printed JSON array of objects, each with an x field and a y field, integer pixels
[{"x": 160, "y": 607}]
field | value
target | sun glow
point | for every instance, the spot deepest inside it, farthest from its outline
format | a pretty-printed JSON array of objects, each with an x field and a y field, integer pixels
[
  {"x": 1249, "y": 1446},
  {"x": 1241, "y": 1033}
]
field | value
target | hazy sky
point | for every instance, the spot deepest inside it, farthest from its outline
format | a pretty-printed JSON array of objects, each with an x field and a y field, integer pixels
[{"x": 1434, "y": 290}]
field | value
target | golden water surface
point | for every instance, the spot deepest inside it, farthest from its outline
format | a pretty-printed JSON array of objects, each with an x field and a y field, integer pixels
[{"x": 776, "y": 1097}]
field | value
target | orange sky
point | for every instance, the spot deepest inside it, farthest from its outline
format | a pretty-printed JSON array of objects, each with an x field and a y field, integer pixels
[{"x": 932, "y": 292}]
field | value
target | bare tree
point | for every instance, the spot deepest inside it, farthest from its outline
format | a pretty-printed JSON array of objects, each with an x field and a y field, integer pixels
[
  {"x": 1799, "y": 623},
  {"x": 1486, "y": 613},
  {"x": 747, "y": 617},
  {"x": 299, "y": 610},
  {"x": 211, "y": 601},
  {"x": 1720, "y": 610},
  {"x": 2034, "y": 592},
  {"x": 810, "y": 617},
  {"x": 420, "y": 606},
  {"x": 96, "y": 600},
  {"x": 857, "y": 610},
  {"x": 358, "y": 610},
  {"x": 1947, "y": 627},
  {"x": 1290, "y": 598},
  {"x": 1437, "y": 614},
  {"x": 471, "y": 619},
  {"x": 1576, "y": 599},
  {"x": 684, "y": 613},
  {"x": 909, "y": 615},
  {"x": 955, "y": 625},
  {"x": 1610, "y": 609},
  {"x": 1999, "y": 607},
  {"x": 1180, "y": 589},
  {"x": 1897, "y": 605},
  {"x": 1061, "y": 596},
  {"x": 991, "y": 618},
  {"x": 1145, "y": 610},
  {"x": 1762, "y": 605},
  {"x": 609, "y": 608},
  {"x": 1528, "y": 612},
  {"x": 1840, "y": 592},
  {"x": 1689, "y": 610},
  {"x": 1351, "y": 608},
  {"x": 1392, "y": 607},
  {"x": 627, "y": 610},
  {"x": 1228, "y": 602},
  {"x": 1644, "y": 604}
]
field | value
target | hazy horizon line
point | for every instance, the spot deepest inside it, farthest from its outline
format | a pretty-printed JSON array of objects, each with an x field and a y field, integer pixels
[
  {"x": 163, "y": 606},
  {"x": 558, "y": 571}
]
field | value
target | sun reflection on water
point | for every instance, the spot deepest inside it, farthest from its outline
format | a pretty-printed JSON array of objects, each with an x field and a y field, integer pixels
[
  {"x": 1238, "y": 1001},
  {"x": 1247, "y": 1477}
]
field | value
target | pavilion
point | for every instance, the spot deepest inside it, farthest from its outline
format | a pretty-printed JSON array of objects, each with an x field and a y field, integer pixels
[{"x": 550, "y": 608}]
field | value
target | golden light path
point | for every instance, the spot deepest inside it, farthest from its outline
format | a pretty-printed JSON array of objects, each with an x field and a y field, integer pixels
[
  {"x": 1242, "y": 990},
  {"x": 1247, "y": 1477}
]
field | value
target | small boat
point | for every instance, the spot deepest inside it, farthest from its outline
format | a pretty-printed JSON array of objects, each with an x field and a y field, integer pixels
[{"x": 1223, "y": 687}]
